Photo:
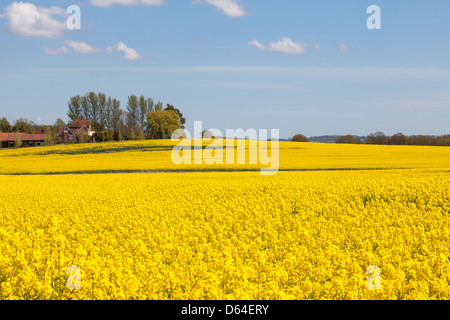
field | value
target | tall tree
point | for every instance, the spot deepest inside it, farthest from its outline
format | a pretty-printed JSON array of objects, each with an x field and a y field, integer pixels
[
  {"x": 109, "y": 111},
  {"x": 74, "y": 108},
  {"x": 150, "y": 105},
  {"x": 143, "y": 110},
  {"x": 102, "y": 112},
  {"x": 159, "y": 106},
  {"x": 94, "y": 108},
  {"x": 116, "y": 122},
  {"x": 85, "y": 107},
  {"x": 60, "y": 123},
  {"x": 133, "y": 113}
]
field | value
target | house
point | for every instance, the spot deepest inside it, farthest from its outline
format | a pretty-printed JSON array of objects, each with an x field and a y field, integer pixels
[
  {"x": 35, "y": 139},
  {"x": 76, "y": 131}
]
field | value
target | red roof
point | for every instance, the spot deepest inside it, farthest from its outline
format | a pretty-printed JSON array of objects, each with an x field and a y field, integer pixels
[
  {"x": 23, "y": 136},
  {"x": 80, "y": 123}
]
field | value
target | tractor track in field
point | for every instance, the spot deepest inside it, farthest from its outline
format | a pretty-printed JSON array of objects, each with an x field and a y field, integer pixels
[{"x": 192, "y": 171}]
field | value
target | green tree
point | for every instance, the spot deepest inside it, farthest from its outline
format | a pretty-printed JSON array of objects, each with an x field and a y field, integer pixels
[
  {"x": 141, "y": 135},
  {"x": 206, "y": 134},
  {"x": 60, "y": 123},
  {"x": 118, "y": 135},
  {"x": 300, "y": 138},
  {"x": 398, "y": 139},
  {"x": 5, "y": 126},
  {"x": 150, "y": 105},
  {"x": 116, "y": 121},
  {"x": 17, "y": 141},
  {"x": 349, "y": 139},
  {"x": 420, "y": 141},
  {"x": 109, "y": 112},
  {"x": 377, "y": 138},
  {"x": 133, "y": 113},
  {"x": 159, "y": 106},
  {"x": 74, "y": 111},
  {"x": 102, "y": 111},
  {"x": 143, "y": 110},
  {"x": 23, "y": 125},
  {"x": 50, "y": 136},
  {"x": 94, "y": 105},
  {"x": 162, "y": 123},
  {"x": 85, "y": 107},
  {"x": 178, "y": 112},
  {"x": 132, "y": 135}
]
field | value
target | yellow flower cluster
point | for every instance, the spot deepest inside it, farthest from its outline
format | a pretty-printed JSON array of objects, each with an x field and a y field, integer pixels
[
  {"x": 225, "y": 235},
  {"x": 155, "y": 155}
]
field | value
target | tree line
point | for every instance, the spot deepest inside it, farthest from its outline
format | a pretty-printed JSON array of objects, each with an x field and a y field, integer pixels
[
  {"x": 379, "y": 138},
  {"x": 142, "y": 118}
]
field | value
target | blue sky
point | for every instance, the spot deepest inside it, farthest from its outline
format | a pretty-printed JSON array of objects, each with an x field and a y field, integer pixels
[{"x": 310, "y": 67}]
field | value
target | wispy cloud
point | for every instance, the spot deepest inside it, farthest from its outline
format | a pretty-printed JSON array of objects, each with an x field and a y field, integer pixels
[
  {"x": 229, "y": 7},
  {"x": 356, "y": 73},
  {"x": 107, "y": 3},
  {"x": 26, "y": 19},
  {"x": 56, "y": 51},
  {"x": 343, "y": 48},
  {"x": 236, "y": 85},
  {"x": 82, "y": 47},
  {"x": 128, "y": 53},
  {"x": 285, "y": 45}
]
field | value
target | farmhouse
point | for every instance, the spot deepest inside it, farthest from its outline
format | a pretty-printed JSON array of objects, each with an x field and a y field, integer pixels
[
  {"x": 35, "y": 139},
  {"x": 76, "y": 131}
]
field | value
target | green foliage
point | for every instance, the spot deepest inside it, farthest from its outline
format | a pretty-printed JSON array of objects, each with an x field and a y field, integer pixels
[
  {"x": 105, "y": 114},
  {"x": 349, "y": 139},
  {"x": 300, "y": 138},
  {"x": 398, "y": 139},
  {"x": 178, "y": 112},
  {"x": 132, "y": 135},
  {"x": 162, "y": 123},
  {"x": 141, "y": 135},
  {"x": 377, "y": 138},
  {"x": 5, "y": 126},
  {"x": 23, "y": 125},
  {"x": 74, "y": 108},
  {"x": 17, "y": 141},
  {"x": 118, "y": 135},
  {"x": 60, "y": 123}
]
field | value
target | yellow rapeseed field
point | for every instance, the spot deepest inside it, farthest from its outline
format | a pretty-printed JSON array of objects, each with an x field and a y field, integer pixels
[{"x": 224, "y": 235}]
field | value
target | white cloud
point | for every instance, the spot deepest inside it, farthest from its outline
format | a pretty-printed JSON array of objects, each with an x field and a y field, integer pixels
[
  {"x": 107, "y": 3},
  {"x": 26, "y": 19},
  {"x": 285, "y": 45},
  {"x": 81, "y": 47},
  {"x": 343, "y": 48},
  {"x": 229, "y": 7},
  {"x": 56, "y": 51},
  {"x": 129, "y": 53}
]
